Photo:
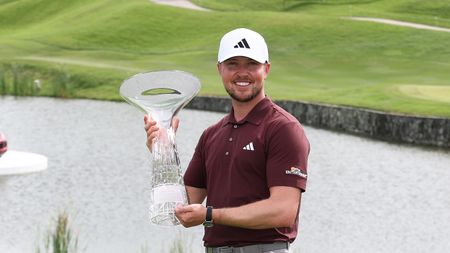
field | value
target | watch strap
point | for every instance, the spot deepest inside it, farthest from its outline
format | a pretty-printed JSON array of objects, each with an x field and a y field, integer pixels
[{"x": 208, "y": 219}]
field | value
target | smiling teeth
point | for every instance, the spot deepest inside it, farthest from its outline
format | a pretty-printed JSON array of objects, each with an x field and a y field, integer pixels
[{"x": 242, "y": 83}]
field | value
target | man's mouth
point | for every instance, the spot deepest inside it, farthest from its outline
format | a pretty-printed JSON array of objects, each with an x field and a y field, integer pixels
[{"x": 242, "y": 84}]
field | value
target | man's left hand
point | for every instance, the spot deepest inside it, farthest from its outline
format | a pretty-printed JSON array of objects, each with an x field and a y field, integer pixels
[{"x": 191, "y": 215}]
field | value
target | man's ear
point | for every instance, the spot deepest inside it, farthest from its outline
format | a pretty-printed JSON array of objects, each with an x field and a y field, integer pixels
[
  {"x": 218, "y": 67},
  {"x": 267, "y": 68}
]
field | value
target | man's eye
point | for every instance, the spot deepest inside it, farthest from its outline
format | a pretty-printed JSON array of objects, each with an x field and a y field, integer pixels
[{"x": 232, "y": 64}]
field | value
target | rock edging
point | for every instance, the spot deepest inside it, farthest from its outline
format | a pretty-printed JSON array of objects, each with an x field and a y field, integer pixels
[{"x": 418, "y": 130}]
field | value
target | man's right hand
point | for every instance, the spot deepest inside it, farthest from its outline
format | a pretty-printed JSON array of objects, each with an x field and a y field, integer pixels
[{"x": 152, "y": 129}]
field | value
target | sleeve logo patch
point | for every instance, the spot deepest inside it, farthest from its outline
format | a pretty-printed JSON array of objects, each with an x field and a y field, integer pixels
[{"x": 296, "y": 171}]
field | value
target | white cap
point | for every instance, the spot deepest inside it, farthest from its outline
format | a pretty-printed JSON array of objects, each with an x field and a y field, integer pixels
[{"x": 243, "y": 42}]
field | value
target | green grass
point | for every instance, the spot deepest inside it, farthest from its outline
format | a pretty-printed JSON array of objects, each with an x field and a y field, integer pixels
[
  {"x": 316, "y": 55},
  {"x": 414, "y": 10},
  {"x": 441, "y": 93}
]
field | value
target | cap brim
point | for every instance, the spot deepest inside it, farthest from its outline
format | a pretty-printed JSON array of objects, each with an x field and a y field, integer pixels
[{"x": 244, "y": 53}]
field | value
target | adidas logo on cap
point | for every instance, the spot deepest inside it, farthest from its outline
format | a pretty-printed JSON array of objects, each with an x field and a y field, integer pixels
[{"x": 242, "y": 44}]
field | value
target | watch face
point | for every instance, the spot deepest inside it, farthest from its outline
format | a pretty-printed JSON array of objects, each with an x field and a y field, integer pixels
[{"x": 208, "y": 224}]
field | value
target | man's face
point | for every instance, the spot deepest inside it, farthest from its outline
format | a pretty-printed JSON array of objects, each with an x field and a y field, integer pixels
[{"x": 243, "y": 78}]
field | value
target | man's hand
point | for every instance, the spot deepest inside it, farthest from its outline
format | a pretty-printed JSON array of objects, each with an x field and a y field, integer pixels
[
  {"x": 152, "y": 129},
  {"x": 191, "y": 215}
]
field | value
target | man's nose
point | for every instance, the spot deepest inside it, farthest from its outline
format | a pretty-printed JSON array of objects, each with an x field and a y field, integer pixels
[
  {"x": 242, "y": 75},
  {"x": 243, "y": 69}
]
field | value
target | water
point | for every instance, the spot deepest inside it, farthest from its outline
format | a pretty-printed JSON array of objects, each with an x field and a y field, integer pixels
[{"x": 362, "y": 196}]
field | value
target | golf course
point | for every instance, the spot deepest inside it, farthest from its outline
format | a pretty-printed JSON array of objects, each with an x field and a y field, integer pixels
[{"x": 85, "y": 49}]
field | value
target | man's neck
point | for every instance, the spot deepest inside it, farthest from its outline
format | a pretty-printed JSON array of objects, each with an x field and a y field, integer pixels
[{"x": 241, "y": 109}]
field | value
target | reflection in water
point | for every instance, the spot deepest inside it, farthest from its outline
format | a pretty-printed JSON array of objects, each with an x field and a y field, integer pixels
[{"x": 362, "y": 196}]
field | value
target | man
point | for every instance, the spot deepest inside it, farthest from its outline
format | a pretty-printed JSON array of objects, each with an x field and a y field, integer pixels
[{"x": 251, "y": 165}]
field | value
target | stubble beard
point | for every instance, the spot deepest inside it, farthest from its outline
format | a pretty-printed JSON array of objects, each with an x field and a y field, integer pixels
[{"x": 255, "y": 92}]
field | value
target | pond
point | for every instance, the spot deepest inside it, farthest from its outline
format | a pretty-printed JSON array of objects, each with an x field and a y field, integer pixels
[{"x": 363, "y": 195}]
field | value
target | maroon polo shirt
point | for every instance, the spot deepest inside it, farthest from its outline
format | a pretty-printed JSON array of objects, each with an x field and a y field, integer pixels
[{"x": 237, "y": 163}]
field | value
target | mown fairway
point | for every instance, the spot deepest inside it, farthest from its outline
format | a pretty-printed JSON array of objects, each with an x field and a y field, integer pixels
[{"x": 316, "y": 55}]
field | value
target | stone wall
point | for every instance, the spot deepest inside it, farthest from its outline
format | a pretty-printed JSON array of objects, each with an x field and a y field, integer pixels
[{"x": 430, "y": 131}]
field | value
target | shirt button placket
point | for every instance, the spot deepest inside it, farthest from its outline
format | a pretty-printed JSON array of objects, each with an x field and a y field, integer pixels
[{"x": 230, "y": 140}]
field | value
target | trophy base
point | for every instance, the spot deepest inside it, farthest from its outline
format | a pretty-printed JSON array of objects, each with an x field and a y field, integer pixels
[
  {"x": 163, "y": 214},
  {"x": 165, "y": 198}
]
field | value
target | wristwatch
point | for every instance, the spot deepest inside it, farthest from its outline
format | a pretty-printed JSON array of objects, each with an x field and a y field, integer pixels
[{"x": 208, "y": 219}]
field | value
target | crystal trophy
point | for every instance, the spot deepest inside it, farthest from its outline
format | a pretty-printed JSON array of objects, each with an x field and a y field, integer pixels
[{"x": 162, "y": 94}]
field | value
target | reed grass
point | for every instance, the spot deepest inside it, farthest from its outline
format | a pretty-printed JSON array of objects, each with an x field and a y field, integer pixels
[
  {"x": 61, "y": 239},
  {"x": 62, "y": 83},
  {"x": 15, "y": 69},
  {"x": 16, "y": 79},
  {"x": 26, "y": 80},
  {"x": 2, "y": 81}
]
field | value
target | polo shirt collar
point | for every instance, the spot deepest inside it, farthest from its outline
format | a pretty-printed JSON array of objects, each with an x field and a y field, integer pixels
[{"x": 255, "y": 116}]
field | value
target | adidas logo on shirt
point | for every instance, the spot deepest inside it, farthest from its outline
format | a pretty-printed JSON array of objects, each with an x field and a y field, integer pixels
[
  {"x": 249, "y": 147},
  {"x": 242, "y": 44}
]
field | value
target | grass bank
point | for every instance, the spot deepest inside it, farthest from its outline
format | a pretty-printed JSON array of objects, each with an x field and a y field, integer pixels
[{"x": 316, "y": 56}]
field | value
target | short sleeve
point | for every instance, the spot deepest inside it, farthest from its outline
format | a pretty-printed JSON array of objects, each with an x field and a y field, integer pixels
[
  {"x": 287, "y": 156},
  {"x": 195, "y": 174}
]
